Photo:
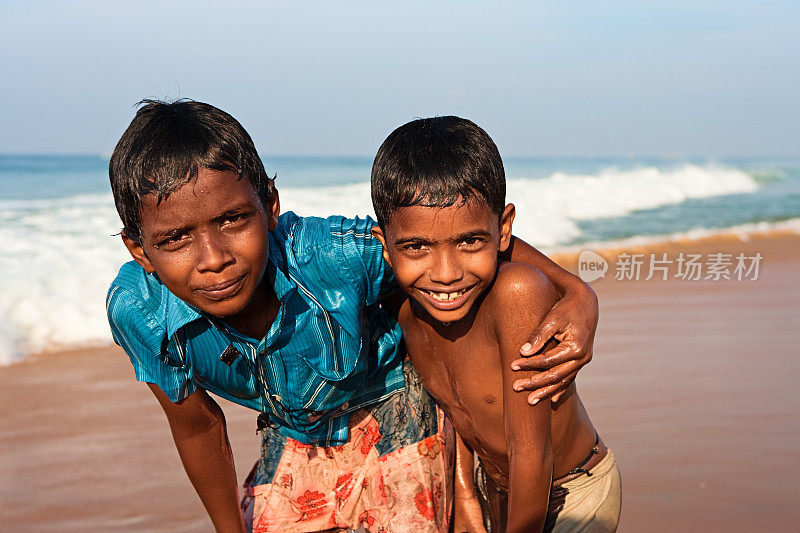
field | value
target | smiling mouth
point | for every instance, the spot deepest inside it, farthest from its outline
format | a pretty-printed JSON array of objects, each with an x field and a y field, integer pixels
[
  {"x": 447, "y": 301},
  {"x": 224, "y": 290}
]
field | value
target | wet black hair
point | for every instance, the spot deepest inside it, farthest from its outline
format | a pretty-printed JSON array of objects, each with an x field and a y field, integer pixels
[
  {"x": 437, "y": 162},
  {"x": 164, "y": 147}
]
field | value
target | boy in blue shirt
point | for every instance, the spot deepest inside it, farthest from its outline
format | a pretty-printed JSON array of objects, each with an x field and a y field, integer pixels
[{"x": 281, "y": 314}]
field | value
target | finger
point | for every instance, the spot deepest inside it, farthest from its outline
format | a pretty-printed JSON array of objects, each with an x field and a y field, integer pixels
[
  {"x": 554, "y": 392},
  {"x": 540, "y": 336},
  {"x": 550, "y": 377},
  {"x": 555, "y": 356},
  {"x": 563, "y": 353},
  {"x": 538, "y": 396},
  {"x": 567, "y": 382}
]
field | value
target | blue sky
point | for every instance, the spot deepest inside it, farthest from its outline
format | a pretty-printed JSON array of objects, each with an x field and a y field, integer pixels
[{"x": 543, "y": 78}]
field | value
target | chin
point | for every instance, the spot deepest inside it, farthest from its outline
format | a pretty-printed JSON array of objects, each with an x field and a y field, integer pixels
[
  {"x": 445, "y": 316},
  {"x": 449, "y": 318},
  {"x": 225, "y": 308}
]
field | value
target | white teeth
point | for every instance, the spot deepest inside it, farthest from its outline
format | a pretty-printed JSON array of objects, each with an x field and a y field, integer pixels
[{"x": 446, "y": 296}]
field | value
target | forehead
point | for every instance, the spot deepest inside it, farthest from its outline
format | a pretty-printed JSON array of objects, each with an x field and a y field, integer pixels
[
  {"x": 210, "y": 194},
  {"x": 439, "y": 223}
]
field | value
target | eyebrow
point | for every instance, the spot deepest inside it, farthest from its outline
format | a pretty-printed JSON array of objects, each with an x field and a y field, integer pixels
[
  {"x": 243, "y": 207},
  {"x": 170, "y": 232},
  {"x": 456, "y": 238}
]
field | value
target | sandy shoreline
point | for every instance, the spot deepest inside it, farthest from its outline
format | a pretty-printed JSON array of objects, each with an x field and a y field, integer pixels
[{"x": 693, "y": 386}]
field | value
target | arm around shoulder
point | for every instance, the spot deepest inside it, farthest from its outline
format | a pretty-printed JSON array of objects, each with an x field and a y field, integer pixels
[{"x": 573, "y": 319}]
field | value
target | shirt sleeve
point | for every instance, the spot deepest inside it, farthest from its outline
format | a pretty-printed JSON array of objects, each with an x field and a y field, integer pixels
[
  {"x": 364, "y": 255},
  {"x": 143, "y": 338}
]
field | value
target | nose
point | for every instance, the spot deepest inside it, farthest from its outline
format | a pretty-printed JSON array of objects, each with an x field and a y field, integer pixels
[
  {"x": 445, "y": 269},
  {"x": 213, "y": 253}
]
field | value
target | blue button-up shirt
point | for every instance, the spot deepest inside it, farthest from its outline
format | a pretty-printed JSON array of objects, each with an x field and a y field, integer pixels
[{"x": 331, "y": 349}]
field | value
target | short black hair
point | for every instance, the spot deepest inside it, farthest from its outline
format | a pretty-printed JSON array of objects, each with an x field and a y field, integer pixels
[
  {"x": 164, "y": 147},
  {"x": 436, "y": 162}
]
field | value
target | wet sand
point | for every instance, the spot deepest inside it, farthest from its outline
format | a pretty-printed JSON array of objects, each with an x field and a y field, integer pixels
[{"x": 693, "y": 385}]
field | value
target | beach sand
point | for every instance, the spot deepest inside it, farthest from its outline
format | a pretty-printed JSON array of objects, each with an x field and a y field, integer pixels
[{"x": 693, "y": 385}]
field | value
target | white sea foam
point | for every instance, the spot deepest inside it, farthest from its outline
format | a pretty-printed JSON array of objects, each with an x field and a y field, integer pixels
[
  {"x": 548, "y": 210},
  {"x": 60, "y": 255},
  {"x": 743, "y": 232},
  {"x": 58, "y": 259}
]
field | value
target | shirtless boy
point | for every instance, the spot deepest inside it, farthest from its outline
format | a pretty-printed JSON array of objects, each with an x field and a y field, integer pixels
[{"x": 438, "y": 188}]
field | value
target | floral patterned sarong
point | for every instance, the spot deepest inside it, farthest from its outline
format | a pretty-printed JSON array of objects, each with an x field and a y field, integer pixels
[{"x": 393, "y": 474}]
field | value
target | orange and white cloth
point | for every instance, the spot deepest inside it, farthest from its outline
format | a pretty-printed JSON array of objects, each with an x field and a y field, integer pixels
[{"x": 393, "y": 474}]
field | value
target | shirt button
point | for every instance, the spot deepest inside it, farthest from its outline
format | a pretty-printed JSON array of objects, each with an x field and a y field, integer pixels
[{"x": 344, "y": 406}]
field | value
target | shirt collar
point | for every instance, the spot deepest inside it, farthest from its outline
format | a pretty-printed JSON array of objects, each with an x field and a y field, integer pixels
[
  {"x": 278, "y": 268},
  {"x": 178, "y": 313}
]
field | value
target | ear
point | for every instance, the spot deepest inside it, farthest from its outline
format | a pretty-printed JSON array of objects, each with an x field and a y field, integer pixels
[
  {"x": 137, "y": 252},
  {"x": 377, "y": 232},
  {"x": 273, "y": 211},
  {"x": 506, "y": 221}
]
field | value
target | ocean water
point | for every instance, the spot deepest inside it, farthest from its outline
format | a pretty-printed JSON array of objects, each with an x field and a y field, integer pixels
[{"x": 60, "y": 249}]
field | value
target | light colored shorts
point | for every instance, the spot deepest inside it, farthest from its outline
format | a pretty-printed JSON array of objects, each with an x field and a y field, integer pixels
[{"x": 586, "y": 504}]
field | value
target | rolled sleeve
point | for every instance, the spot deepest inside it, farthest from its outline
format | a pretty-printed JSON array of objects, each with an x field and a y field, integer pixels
[
  {"x": 143, "y": 338},
  {"x": 364, "y": 255}
]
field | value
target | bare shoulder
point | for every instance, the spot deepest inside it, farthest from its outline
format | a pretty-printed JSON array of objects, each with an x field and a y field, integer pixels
[
  {"x": 521, "y": 296},
  {"x": 521, "y": 283}
]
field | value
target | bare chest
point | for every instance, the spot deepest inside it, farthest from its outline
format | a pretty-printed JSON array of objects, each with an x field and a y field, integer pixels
[{"x": 463, "y": 375}]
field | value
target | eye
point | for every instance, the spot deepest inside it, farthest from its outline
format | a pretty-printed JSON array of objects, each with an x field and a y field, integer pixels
[
  {"x": 235, "y": 217},
  {"x": 413, "y": 247},
  {"x": 472, "y": 242},
  {"x": 171, "y": 242},
  {"x": 235, "y": 220}
]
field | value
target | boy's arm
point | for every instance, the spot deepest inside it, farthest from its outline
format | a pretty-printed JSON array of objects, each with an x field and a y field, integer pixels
[
  {"x": 530, "y": 455},
  {"x": 200, "y": 434},
  {"x": 572, "y": 321},
  {"x": 523, "y": 294},
  {"x": 468, "y": 516}
]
